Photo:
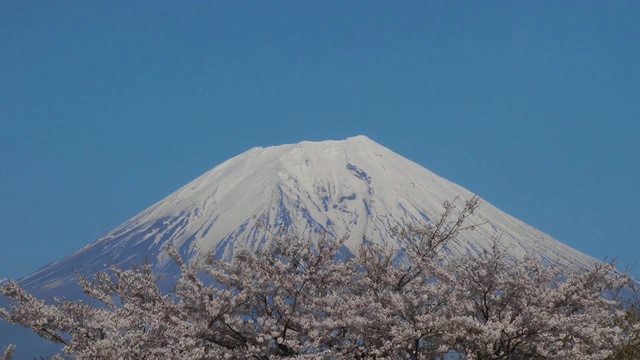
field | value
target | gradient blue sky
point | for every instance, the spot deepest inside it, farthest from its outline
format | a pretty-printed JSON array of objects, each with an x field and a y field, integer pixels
[{"x": 106, "y": 107}]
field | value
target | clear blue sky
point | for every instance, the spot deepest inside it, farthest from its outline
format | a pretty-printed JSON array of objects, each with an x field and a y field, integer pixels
[{"x": 106, "y": 107}]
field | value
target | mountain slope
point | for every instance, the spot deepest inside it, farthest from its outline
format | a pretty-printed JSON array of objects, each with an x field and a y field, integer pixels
[{"x": 354, "y": 188}]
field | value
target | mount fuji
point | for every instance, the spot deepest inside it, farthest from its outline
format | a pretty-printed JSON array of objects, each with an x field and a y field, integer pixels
[{"x": 354, "y": 189}]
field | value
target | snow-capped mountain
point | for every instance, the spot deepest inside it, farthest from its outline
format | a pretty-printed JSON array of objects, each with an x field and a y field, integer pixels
[{"x": 353, "y": 188}]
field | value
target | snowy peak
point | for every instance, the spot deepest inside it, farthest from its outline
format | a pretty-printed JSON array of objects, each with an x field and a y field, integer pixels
[
  {"x": 354, "y": 189},
  {"x": 313, "y": 187}
]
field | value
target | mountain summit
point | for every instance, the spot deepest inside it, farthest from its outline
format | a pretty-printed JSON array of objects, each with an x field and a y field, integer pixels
[{"x": 353, "y": 188}]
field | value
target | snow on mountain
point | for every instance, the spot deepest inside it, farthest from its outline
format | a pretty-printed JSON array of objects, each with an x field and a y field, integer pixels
[{"x": 354, "y": 188}]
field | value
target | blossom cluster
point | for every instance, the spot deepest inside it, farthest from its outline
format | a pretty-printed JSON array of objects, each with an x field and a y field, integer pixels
[{"x": 306, "y": 299}]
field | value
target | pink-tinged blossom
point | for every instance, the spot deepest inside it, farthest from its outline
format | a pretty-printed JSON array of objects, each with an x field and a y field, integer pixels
[{"x": 295, "y": 299}]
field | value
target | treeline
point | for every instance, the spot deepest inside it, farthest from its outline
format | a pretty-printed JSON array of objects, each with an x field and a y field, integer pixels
[{"x": 303, "y": 299}]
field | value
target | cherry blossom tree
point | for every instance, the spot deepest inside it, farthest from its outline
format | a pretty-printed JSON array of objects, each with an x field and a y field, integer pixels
[
  {"x": 631, "y": 326},
  {"x": 7, "y": 354},
  {"x": 315, "y": 299},
  {"x": 528, "y": 310}
]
